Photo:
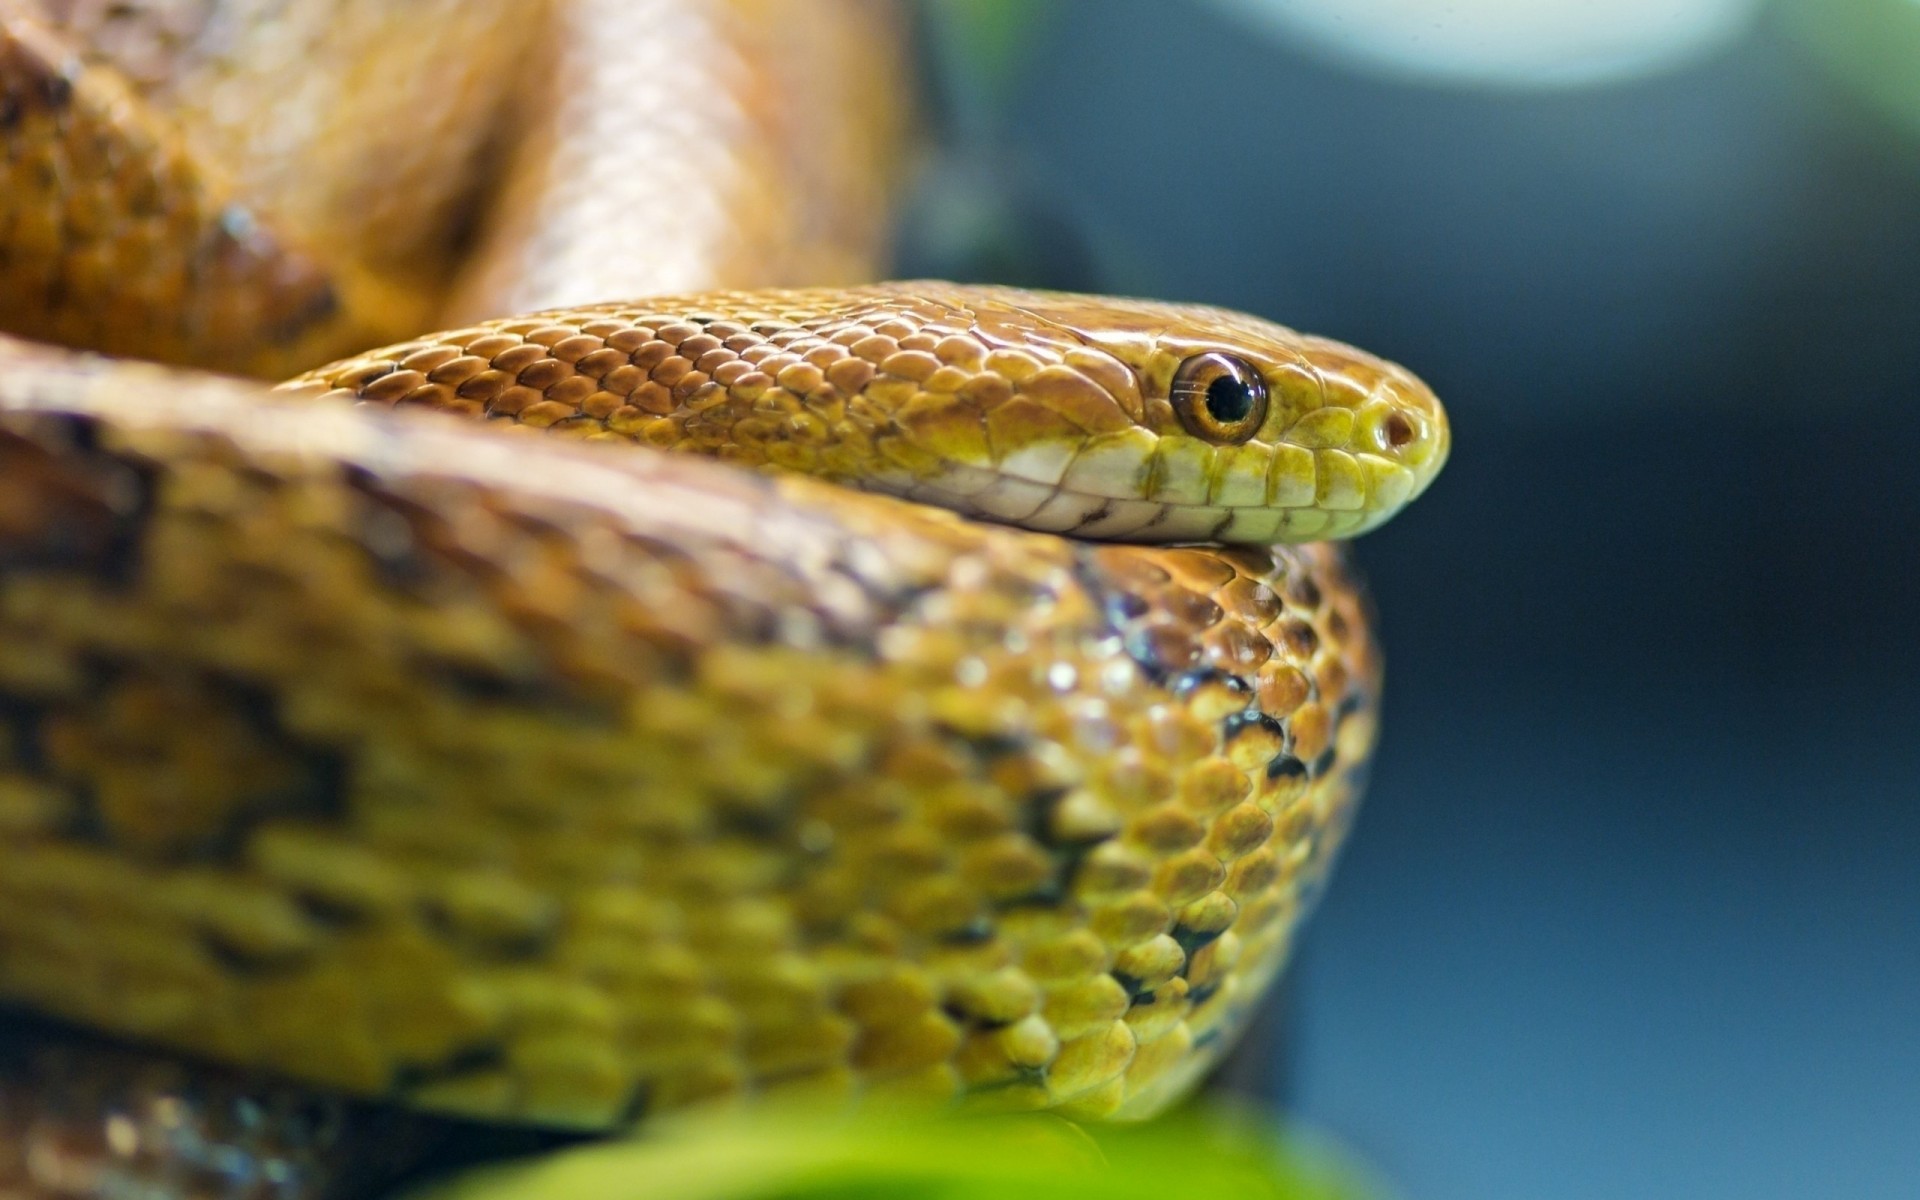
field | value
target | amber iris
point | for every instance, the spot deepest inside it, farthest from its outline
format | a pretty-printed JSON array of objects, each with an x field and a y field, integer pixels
[{"x": 1219, "y": 397}]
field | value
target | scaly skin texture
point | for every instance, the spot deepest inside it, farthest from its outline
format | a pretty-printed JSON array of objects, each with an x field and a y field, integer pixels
[
  {"x": 545, "y": 782},
  {"x": 727, "y": 143},
  {"x": 259, "y": 185},
  {"x": 355, "y": 125},
  {"x": 1045, "y": 410},
  {"x": 198, "y": 185},
  {"x": 392, "y": 761}
]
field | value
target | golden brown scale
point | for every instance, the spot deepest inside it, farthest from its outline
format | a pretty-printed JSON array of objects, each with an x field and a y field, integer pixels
[
  {"x": 379, "y": 756},
  {"x": 355, "y": 125},
  {"x": 115, "y": 237},
  {"x": 257, "y": 186},
  {"x": 1046, "y": 410},
  {"x": 548, "y": 783}
]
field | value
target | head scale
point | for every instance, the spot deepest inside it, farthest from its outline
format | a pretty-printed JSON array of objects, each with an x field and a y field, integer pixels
[{"x": 1141, "y": 421}]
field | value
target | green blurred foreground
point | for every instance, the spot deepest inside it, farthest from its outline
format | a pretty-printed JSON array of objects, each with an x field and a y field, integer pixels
[{"x": 1217, "y": 1154}]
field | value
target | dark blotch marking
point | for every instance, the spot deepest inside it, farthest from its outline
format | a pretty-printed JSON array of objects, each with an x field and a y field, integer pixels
[
  {"x": 1189, "y": 682},
  {"x": 768, "y": 823},
  {"x": 1138, "y": 643},
  {"x": 1234, "y": 724},
  {"x": 20, "y": 733},
  {"x": 1286, "y": 766},
  {"x": 30, "y": 82},
  {"x": 242, "y": 961},
  {"x": 976, "y": 932},
  {"x": 468, "y": 1060},
  {"x": 411, "y": 549},
  {"x": 1068, "y": 854},
  {"x": 485, "y": 687},
  {"x": 1137, "y": 991},
  {"x": 1192, "y": 940},
  {"x": 316, "y": 791},
  {"x": 398, "y": 535},
  {"x": 1051, "y": 894},
  {"x": 479, "y": 684},
  {"x": 330, "y": 913},
  {"x": 56, "y": 90},
  {"x": 1120, "y": 609},
  {"x": 969, "y": 1020},
  {"x": 1021, "y": 1077},
  {"x": 522, "y": 947},
  {"x": 1301, "y": 638},
  {"x": 80, "y": 507},
  {"x": 1203, "y": 993},
  {"x": 990, "y": 746},
  {"x": 318, "y": 795},
  {"x": 1125, "y": 607},
  {"x": 1321, "y": 765},
  {"x": 1038, "y": 824}
]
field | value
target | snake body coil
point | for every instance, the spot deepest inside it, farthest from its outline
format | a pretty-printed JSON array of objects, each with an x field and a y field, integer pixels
[
  {"x": 542, "y": 781},
  {"x": 411, "y": 760}
]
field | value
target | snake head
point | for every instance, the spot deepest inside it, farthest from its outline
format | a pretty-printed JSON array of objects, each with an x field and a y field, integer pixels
[{"x": 1142, "y": 421}]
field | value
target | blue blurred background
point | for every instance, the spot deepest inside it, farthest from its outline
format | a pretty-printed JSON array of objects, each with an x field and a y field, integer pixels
[{"x": 1634, "y": 908}]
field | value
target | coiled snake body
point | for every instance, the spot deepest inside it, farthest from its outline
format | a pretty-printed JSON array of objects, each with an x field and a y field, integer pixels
[{"x": 407, "y": 759}]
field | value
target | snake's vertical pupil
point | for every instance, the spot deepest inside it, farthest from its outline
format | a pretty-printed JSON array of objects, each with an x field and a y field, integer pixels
[
  {"x": 1219, "y": 397},
  {"x": 1228, "y": 400}
]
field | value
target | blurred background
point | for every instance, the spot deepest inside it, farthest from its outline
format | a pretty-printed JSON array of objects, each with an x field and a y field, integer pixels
[{"x": 1634, "y": 908}]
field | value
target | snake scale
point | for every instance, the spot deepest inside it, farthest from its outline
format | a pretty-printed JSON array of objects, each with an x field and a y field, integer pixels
[{"x": 356, "y": 759}]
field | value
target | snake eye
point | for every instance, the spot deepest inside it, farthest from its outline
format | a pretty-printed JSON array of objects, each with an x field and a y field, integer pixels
[{"x": 1219, "y": 397}]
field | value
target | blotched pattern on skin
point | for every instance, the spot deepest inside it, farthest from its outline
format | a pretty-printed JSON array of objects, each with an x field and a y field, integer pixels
[
  {"x": 1045, "y": 410},
  {"x": 530, "y": 780},
  {"x": 283, "y": 696}
]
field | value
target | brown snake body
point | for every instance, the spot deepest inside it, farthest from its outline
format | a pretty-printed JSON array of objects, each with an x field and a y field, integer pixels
[{"x": 408, "y": 760}]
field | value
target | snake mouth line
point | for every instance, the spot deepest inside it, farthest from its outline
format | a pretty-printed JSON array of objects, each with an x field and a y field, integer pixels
[{"x": 1004, "y": 499}]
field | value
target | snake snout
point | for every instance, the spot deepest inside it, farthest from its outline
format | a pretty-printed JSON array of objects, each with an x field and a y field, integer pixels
[
  {"x": 1143, "y": 422},
  {"x": 1365, "y": 435},
  {"x": 1404, "y": 421}
]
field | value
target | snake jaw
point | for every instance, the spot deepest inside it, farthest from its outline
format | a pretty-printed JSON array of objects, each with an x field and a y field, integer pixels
[
  {"x": 1078, "y": 433},
  {"x": 645, "y": 679},
  {"x": 1348, "y": 441}
]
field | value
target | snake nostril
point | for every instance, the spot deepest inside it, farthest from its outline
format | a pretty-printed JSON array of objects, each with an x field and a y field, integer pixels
[{"x": 1398, "y": 430}]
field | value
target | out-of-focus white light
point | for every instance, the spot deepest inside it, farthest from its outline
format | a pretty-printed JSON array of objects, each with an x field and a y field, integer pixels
[{"x": 1515, "y": 43}]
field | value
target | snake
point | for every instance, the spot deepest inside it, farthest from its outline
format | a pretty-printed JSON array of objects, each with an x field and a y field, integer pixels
[{"x": 776, "y": 685}]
